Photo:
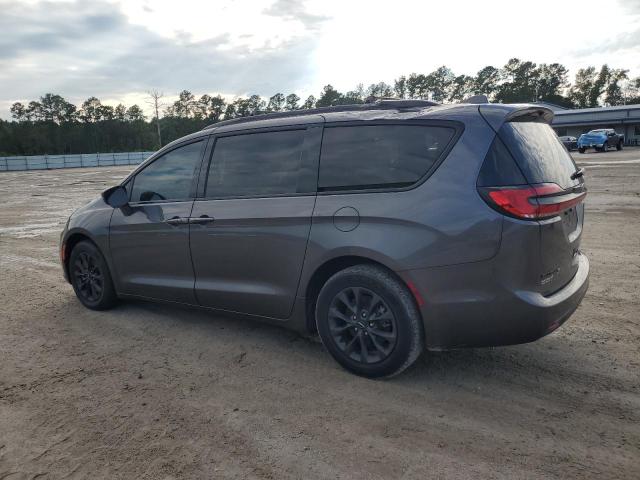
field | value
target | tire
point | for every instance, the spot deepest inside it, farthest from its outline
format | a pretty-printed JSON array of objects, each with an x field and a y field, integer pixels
[
  {"x": 386, "y": 322},
  {"x": 581, "y": 150},
  {"x": 90, "y": 277},
  {"x": 619, "y": 146},
  {"x": 605, "y": 145}
]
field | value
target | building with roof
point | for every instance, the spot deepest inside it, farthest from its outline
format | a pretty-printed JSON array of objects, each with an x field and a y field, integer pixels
[{"x": 624, "y": 119}]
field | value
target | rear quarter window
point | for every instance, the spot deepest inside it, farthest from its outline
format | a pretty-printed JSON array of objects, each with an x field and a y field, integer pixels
[
  {"x": 499, "y": 168},
  {"x": 539, "y": 153},
  {"x": 379, "y": 156}
]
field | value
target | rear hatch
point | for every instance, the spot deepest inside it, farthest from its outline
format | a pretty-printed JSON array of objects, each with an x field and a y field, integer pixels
[{"x": 552, "y": 196}]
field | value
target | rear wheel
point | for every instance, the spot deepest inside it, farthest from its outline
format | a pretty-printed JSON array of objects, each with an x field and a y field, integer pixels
[
  {"x": 90, "y": 277},
  {"x": 369, "y": 322},
  {"x": 605, "y": 146},
  {"x": 619, "y": 146},
  {"x": 581, "y": 150}
]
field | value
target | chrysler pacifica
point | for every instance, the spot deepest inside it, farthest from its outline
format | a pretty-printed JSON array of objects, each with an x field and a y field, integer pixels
[{"x": 387, "y": 228}]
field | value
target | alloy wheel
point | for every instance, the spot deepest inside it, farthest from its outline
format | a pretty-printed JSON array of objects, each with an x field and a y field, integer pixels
[
  {"x": 362, "y": 325},
  {"x": 88, "y": 276}
]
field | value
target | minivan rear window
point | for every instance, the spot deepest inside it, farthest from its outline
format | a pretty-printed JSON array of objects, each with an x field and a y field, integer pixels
[
  {"x": 539, "y": 153},
  {"x": 376, "y": 156}
]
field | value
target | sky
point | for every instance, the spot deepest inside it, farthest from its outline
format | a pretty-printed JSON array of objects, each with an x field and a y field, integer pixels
[{"x": 118, "y": 50}]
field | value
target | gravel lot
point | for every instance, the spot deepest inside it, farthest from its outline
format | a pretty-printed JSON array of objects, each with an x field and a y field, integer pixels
[{"x": 151, "y": 391}]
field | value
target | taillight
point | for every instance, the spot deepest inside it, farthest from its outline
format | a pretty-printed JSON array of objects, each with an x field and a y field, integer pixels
[{"x": 532, "y": 202}]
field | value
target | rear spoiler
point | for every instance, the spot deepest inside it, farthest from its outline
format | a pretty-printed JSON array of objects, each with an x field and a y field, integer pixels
[
  {"x": 496, "y": 115},
  {"x": 476, "y": 99}
]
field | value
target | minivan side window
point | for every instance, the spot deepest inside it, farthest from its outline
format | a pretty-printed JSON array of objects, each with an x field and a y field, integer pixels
[
  {"x": 256, "y": 164},
  {"x": 169, "y": 177},
  {"x": 379, "y": 156}
]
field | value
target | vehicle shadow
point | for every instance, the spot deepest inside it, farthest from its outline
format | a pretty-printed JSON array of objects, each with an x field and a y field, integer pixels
[
  {"x": 552, "y": 357},
  {"x": 275, "y": 371}
]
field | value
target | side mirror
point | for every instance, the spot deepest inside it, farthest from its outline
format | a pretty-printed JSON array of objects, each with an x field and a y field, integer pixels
[{"x": 117, "y": 196}]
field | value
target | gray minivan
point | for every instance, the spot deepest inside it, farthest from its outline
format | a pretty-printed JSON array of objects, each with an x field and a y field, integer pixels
[{"x": 387, "y": 228}]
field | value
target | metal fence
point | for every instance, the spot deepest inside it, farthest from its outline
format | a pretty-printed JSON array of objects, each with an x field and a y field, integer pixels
[{"x": 44, "y": 162}]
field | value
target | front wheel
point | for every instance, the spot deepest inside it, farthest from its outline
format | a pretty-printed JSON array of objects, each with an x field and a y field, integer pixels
[
  {"x": 619, "y": 146},
  {"x": 368, "y": 321},
  {"x": 605, "y": 145},
  {"x": 581, "y": 150},
  {"x": 90, "y": 277}
]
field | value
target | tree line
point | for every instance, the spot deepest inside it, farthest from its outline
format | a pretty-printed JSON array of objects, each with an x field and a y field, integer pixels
[{"x": 53, "y": 125}]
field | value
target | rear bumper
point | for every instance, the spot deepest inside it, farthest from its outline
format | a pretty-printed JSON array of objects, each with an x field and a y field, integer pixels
[
  {"x": 465, "y": 306},
  {"x": 549, "y": 312}
]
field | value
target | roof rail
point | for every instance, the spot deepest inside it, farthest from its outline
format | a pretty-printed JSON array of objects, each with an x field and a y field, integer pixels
[{"x": 378, "y": 104}]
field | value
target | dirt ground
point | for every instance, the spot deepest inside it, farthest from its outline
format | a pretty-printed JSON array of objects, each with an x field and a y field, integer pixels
[{"x": 151, "y": 391}]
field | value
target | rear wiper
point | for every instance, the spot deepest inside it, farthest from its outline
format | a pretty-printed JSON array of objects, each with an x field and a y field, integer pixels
[{"x": 577, "y": 174}]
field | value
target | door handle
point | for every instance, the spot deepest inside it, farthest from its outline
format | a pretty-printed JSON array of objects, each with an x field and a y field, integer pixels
[
  {"x": 177, "y": 221},
  {"x": 201, "y": 220}
]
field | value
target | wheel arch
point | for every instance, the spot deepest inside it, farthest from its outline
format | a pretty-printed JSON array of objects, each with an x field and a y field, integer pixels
[
  {"x": 325, "y": 271},
  {"x": 70, "y": 241}
]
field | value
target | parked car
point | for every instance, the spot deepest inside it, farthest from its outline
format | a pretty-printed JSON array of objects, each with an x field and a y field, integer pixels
[
  {"x": 570, "y": 142},
  {"x": 600, "y": 139},
  {"x": 388, "y": 228}
]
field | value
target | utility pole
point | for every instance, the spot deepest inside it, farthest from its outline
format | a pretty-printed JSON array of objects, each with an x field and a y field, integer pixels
[{"x": 154, "y": 100}]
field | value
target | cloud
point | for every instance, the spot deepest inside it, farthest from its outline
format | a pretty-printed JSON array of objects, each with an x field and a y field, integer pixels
[
  {"x": 626, "y": 40},
  {"x": 47, "y": 26},
  {"x": 295, "y": 10},
  {"x": 629, "y": 40},
  {"x": 631, "y": 6},
  {"x": 88, "y": 47},
  {"x": 118, "y": 49},
  {"x": 622, "y": 41}
]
